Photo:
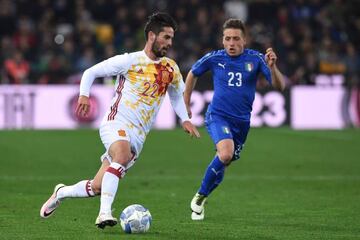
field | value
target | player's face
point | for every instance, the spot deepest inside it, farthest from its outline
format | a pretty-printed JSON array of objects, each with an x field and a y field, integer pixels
[
  {"x": 234, "y": 41},
  {"x": 163, "y": 41}
]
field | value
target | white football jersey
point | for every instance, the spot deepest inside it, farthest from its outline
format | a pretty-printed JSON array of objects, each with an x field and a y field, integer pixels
[{"x": 140, "y": 88}]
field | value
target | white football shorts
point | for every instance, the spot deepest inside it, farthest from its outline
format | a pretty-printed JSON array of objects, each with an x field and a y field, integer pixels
[{"x": 112, "y": 131}]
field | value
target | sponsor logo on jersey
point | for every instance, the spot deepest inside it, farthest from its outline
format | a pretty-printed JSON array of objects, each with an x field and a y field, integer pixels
[{"x": 222, "y": 65}]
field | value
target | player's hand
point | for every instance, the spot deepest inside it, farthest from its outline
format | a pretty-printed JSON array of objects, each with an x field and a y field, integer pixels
[
  {"x": 83, "y": 106},
  {"x": 270, "y": 57},
  {"x": 191, "y": 129}
]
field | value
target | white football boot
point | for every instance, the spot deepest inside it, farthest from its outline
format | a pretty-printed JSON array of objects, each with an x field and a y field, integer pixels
[
  {"x": 49, "y": 207},
  {"x": 197, "y": 207},
  {"x": 104, "y": 220}
]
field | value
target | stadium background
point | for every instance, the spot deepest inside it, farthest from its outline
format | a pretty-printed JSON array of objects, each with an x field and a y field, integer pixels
[
  {"x": 60, "y": 39},
  {"x": 289, "y": 184},
  {"x": 53, "y": 42}
]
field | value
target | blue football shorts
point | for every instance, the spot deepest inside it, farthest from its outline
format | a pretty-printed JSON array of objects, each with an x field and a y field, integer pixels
[{"x": 220, "y": 128}]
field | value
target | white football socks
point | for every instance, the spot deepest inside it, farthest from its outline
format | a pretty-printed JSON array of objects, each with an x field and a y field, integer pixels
[
  {"x": 109, "y": 186},
  {"x": 80, "y": 189}
]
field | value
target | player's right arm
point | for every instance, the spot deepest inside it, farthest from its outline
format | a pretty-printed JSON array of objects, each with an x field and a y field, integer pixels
[
  {"x": 190, "y": 83},
  {"x": 199, "y": 68},
  {"x": 110, "y": 67}
]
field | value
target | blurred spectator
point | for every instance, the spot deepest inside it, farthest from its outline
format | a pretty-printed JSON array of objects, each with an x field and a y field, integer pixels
[
  {"x": 59, "y": 39},
  {"x": 7, "y": 48},
  {"x": 352, "y": 62},
  {"x": 330, "y": 61},
  {"x": 24, "y": 38},
  {"x": 17, "y": 69},
  {"x": 86, "y": 60},
  {"x": 104, "y": 34},
  {"x": 7, "y": 17},
  {"x": 236, "y": 9},
  {"x": 53, "y": 68}
]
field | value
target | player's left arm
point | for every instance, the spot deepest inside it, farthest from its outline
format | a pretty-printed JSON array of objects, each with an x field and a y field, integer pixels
[{"x": 277, "y": 77}]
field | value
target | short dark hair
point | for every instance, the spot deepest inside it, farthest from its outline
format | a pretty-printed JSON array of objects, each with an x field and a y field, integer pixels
[
  {"x": 234, "y": 23},
  {"x": 157, "y": 21}
]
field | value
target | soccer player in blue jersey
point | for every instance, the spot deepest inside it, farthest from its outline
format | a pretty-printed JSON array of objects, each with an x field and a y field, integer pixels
[{"x": 235, "y": 71}]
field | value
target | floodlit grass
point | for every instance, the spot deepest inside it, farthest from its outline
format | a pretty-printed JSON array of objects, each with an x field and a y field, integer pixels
[{"x": 288, "y": 185}]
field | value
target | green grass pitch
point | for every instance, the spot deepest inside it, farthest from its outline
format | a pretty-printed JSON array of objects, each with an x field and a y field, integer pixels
[{"x": 288, "y": 185}]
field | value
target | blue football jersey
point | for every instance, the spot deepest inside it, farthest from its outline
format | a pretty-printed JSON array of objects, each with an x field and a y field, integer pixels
[{"x": 234, "y": 81}]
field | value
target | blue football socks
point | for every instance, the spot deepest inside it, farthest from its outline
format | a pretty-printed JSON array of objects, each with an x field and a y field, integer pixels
[
  {"x": 218, "y": 180},
  {"x": 213, "y": 176}
]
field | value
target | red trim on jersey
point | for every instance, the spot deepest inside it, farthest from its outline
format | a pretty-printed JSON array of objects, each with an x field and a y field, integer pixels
[
  {"x": 114, "y": 107},
  {"x": 117, "y": 172}
]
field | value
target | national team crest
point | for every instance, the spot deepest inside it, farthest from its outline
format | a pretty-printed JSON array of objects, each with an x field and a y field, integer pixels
[
  {"x": 122, "y": 133},
  {"x": 163, "y": 77},
  {"x": 226, "y": 130},
  {"x": 249, "y": 66}
]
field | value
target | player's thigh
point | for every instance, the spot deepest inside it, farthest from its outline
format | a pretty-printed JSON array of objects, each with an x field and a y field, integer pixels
[
  {"x": 220, "y": 132},
  {"x": 218, "y": 128},
  {"x": 113, "y": 131},
  {"x": 120, "y": 152},
  {"x": 240, "y": 132},
  {"x": 116, "y": 139}
]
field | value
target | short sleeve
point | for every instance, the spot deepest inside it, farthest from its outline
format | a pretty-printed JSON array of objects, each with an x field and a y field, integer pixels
[{"x": 202, "y": 65}]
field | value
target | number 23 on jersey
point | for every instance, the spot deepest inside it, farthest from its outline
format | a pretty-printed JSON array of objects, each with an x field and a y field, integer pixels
[{"x": 235, "y": 79}]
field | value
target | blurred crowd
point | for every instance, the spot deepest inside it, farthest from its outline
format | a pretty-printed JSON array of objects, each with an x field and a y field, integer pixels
[{"x": 54, "y": 41}]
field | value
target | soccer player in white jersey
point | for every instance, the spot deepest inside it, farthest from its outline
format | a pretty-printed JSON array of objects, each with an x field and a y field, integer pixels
[{"x": 143, "y": 78}]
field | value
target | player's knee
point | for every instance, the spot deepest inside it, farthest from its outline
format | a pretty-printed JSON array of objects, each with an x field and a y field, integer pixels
[{"x": 225, "y": 157}]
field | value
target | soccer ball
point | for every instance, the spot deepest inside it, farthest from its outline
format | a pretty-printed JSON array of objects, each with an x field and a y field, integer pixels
[{"x": 135, "y": 219}]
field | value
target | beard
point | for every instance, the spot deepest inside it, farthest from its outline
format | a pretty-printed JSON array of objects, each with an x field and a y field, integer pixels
[{"x": 158, "y": 51}]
